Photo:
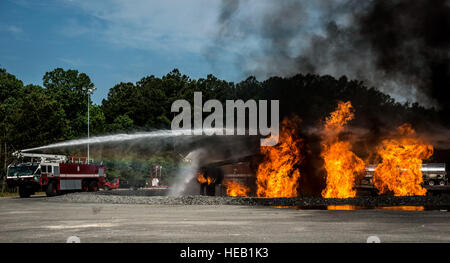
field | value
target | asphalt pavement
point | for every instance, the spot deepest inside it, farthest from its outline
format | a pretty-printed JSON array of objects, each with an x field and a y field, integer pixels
[{"x": 38, "y": 220}]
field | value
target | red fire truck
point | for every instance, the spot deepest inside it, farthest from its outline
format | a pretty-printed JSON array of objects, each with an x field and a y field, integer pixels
[{"x": 54, "y": 174}]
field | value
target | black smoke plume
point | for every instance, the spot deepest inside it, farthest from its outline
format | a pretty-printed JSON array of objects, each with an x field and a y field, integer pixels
[{"x": 398, "y": 46}]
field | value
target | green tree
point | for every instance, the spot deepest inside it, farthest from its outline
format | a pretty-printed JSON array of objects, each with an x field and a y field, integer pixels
[
  {"x": 122, "y": 123},
  {"x": 33, "y": 118},
  {"x": 9, "y": 85},
  {"x": 50, "y": 125},
  {"x": 119, "y": 101},
  {"x": 68, "y": 88},
  {"x": 97, "y": 120}
]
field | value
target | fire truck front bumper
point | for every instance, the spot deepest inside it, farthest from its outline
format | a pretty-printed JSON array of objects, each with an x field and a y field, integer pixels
[{"x": 19, "y": 181}]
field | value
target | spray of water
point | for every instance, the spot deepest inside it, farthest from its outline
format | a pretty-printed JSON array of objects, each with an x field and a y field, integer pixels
[
  {"x": 186, "y": 172},
  {"x": 126, "y": 137}
]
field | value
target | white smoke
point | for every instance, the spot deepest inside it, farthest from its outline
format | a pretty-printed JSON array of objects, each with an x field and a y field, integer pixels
[{"x": 186, "y": 173}]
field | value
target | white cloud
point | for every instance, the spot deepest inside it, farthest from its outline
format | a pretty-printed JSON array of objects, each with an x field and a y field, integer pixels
[{"x": 176, "y": 25}]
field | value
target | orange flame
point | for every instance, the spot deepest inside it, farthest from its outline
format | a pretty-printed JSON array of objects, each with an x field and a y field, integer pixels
[
  {"x": 341, "y": 164},
  {"x": 236, "y": 189},
  {"x": 278, "y": 174},
  {"x": 211, "y": 180},
  {"x": 402, "y": 157},
  {"x": 342, "y": 167},
  {"x": 343, "y": 207},
  {"x": 403, "y": 208},
  {"x": 202, "y": 179},
  {"x": 337, "y": 120}
]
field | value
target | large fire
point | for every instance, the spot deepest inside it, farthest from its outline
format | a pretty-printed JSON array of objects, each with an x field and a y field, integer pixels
[
  {"x": 341, "y": 164},
  {"x": 278, "y": 174},
  {"x": 399, "y": 171},
  {"x": 236, "y": 189}
]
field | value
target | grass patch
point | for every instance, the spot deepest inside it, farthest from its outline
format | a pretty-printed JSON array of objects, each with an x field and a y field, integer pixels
[{"x": 7, "y": 194}]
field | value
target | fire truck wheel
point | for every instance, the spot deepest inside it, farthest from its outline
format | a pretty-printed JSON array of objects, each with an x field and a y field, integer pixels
[
  {"x": 86, "y": 186},
  {"x": 441, "y": 182},
  {"x": 106, "y": 188},
  {"x": 51, "y": 189},
  {"x": 24, "y": 193},
  {"x": 93, "y": 187},
  {"x": 431, "y": 182}
]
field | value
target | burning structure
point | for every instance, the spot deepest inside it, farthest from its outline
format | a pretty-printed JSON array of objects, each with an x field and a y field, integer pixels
[
  {"x": 372, "y": 41},
  {"x": 277, "y": 171},
  {"x": 230, "y": 177}
]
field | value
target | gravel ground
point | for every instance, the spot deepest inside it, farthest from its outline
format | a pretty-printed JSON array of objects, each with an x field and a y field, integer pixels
[
  {"x": 153, "y": 197},
  {"x": 137, "y": 192}
]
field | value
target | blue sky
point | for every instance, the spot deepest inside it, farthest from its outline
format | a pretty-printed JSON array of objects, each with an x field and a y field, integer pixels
[
  {"x": 117, "y": 41},
  {"x": 110, "y": 40}
]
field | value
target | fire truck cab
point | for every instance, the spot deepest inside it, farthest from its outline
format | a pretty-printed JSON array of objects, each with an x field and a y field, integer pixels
[{"x": 54, "y": 174}]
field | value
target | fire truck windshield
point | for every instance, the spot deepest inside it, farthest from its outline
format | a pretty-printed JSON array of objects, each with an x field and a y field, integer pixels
[{"x": 22, "y": 170}]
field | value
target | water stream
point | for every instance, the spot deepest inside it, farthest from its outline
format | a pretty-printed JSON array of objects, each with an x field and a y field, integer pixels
[{"x": 159, "y": 134}]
